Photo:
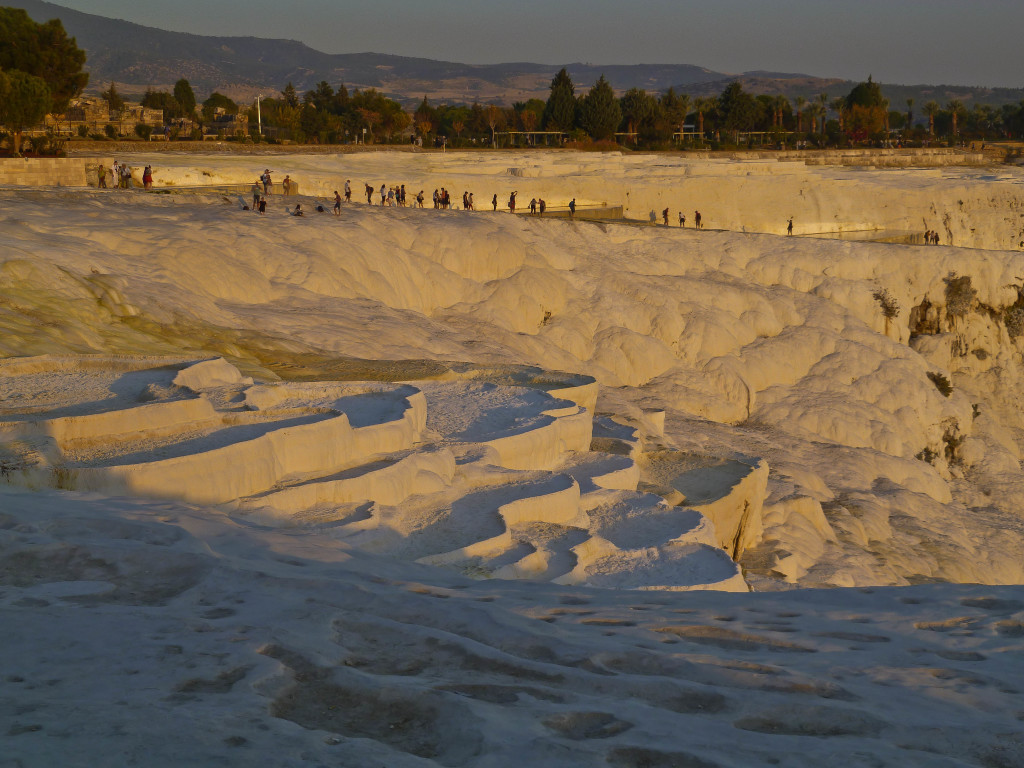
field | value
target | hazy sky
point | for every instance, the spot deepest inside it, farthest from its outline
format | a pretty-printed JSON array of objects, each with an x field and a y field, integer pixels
[{"x": 966, "y": 42}]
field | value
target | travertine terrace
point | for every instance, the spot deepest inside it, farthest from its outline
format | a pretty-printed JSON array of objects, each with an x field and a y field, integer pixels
[{"x": 413, "y": 487}]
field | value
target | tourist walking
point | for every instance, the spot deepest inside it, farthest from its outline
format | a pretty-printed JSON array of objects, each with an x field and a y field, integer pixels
[
  {"x": 572, "y": 208},
  {"x": 471, "y": 204},
  {"x": 263, "y": 205},
  {"x": 512, "y": 202},
  {"x": 543, "y": 205},
  {"x": 256, "y": 196},
  {"x": 337, "y": 203},
  {"x": 533, "y": 205},
  {"x": 369, "y": 193},
  {"x": 419, "y": 198},
  {"x": 348, "y": 191},
  {"x": 265, "y": 178},
  {"x": 682, "y": 219},
  {"x": 147, "y": 177},
  {"x": 664, "y": 216}
]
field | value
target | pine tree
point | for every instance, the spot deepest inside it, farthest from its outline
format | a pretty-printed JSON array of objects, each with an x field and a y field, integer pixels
[
  {"x": 600, "y": 113},
  {"x": 44, "y": 51},
  {"x": 560, "y": 110},
  {"x": 185, "y": 97}
]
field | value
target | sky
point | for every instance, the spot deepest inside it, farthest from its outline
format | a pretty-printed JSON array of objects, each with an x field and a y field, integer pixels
[{"x": 962, "y": 42}]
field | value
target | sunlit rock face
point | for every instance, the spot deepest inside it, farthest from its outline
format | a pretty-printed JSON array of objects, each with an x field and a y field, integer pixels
[
  {"x": 414, "y": 487},
  {"x": 877, "y": 384}
]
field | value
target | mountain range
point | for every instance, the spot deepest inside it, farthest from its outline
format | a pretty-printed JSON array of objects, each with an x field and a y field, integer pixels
[{"x": 137, "y": 57}]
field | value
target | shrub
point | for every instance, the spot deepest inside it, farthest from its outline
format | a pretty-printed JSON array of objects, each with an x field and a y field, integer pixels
[
  {"x": 941, "y": 383},
  {"x": 890, "y": 307},
  {"x": 143, "y": 131},
  {"x": 1013, "y": 317},
  {"x": 83, "y": 131},
  {"x": 110, "y": 131},
  {"x": 960, "y": 295}
]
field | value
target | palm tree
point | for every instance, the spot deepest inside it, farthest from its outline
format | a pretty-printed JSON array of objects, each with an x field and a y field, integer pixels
[
  {"x": 801, "y": 102},
  {"x": 781, "y": 102},
  {"x": 931, "y": 109},
  {"x": 839, "y": 106},
  {"x": 823, "y": 109},
  {"x": 684, "y": 102},
  {"x": 956, "y": 108},
  {"x": 702, "y": 105},
  {"x": 910, "y": 114}
]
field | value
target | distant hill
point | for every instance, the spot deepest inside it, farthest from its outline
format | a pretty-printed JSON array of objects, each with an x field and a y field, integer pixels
[{"x": 137, "y": 57}]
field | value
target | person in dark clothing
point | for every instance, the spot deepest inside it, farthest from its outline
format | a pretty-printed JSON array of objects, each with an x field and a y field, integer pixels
[
  {"x": 664, "y": 216},
  {"x": 696, "y": 220},
  {"x": 572, "y": 208},
  {"x": 543, "y": 205},
  {"x": 494, "y": 201},
  {"x": 789, "y": 227}
]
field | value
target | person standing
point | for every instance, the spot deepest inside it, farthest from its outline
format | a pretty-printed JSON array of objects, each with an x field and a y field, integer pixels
[
  {"x": 664, "y": 216},
  {"x": 102, "y": 172},
  {"x": 147, "y": 177},
  {"x": 256, "y": 196},
  {"x": 348, "y": 191},
  {"x": 696, "y": 220},
  {"x": 383, "y": 194},
  {"x": 533, "y": 205},
  {"x": 572, "y": 208},
  {"x": 494, "y": 201},
  {"x": 471, "y": 204},
  {"x": 512, "y": 202},
  {"x": 437, "y": 199},
  {"x": 789, "y": 227},
  {"x": 543, "y": 206},
  {"x": 337, "y": 203},
  {"x": 263, "y": 205},
  {"x": 286, "y": 185},
  {"x": 419, "y": 198},
  {"x": 265, "y": 178},
  {"x": 682, "y": 219}
]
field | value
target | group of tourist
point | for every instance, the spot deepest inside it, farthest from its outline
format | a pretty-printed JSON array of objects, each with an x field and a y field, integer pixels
[
  {"x": 931, "y": 237},
  {"x": 121, "y": 176}
]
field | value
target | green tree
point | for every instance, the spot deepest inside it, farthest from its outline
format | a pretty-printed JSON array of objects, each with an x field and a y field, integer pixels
[
  {"x": 291, "y": 98},
  {"x": 910, "y": 113},
  {"x": 560, "y": 109},
  {"x": 44, "y": 51},
  {"x": 215, "y": 102},
  {"x": 675, "y": 107},
  {"x": 703, "y": 106},
  {"x": 425, "y": 118},
  {"x": 162, "y": 100},
  {"x": 600, "y": 113},
  {"x": 956, "y": 109},
  {"x": 639, "y": 110},
  {"x": 185, "y": 97},
  {"x": 867, "y": 94},
  {"x": 931, "y": 109},
  {"x": 114, "y": 101},
  {"x": 738, "y": 108},
  {"x": 27, "y": 101}
]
